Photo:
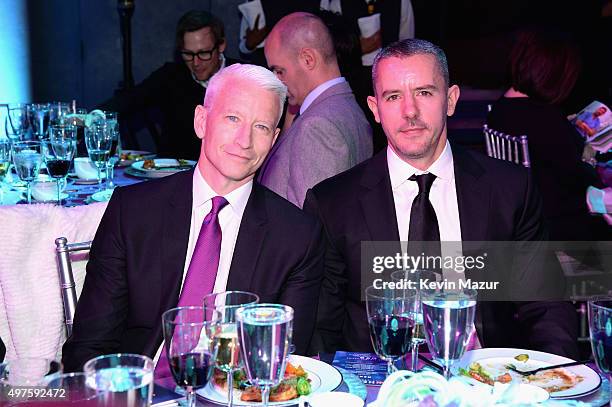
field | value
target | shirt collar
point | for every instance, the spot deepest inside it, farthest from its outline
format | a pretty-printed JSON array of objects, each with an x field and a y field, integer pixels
[
  {"x": 202, "y": 193},
  {"x": 316, "y": 92},
  {"x": 400, "y": 170},
  {"x": 204, "y": 84}
]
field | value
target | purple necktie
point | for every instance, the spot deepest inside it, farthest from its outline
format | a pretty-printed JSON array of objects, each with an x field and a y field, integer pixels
[{"x": 202, "y": 271}]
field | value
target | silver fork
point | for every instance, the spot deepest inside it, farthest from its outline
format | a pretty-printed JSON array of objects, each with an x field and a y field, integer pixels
[{"x": 534, "y": 371}]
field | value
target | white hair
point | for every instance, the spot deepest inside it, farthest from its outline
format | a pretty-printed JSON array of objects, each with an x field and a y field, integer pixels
[{"x": 252, "y": 73}]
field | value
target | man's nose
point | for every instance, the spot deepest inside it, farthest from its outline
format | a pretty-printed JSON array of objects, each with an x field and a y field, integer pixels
[
  {"x": 244, "y": 136},
  {"x": 410, "y": 108}
]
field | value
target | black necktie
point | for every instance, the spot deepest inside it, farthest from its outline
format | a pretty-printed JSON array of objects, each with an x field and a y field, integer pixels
[{"x": 423, "y": 220}]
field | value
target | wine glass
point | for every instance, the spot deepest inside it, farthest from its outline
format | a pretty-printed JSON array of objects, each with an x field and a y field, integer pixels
[
  {"x": 415, "y": 309},
  {"x": 115, "y": 150},
  {"x": 448, "y": 318},
  {"x": 16, "y": 121},
  {"x": 190, "y": 348},
  {"x": 98, "y": 139},
  {"x": 5, "y": 164},
  {"x": 228, "y": 356},
  {"x": 264, "y": 335},
  {"x": 58, "y": 112},
  {"x": 39, "y": 119},
  {"x": 390, "y": 325},
  {"x": 27, "y": 158},
  {"x": 59, "y": 153},
  {"x": 124, "y": 379},
  {"x": 600, "y": 328}
]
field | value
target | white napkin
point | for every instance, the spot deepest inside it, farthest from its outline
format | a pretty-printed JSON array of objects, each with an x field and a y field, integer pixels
[
  {"x": 250, "y": 10},
  {"x": 369, "y": 25}
]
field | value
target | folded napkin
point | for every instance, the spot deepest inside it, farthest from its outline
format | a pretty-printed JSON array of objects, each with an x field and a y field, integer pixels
[{"x": 600, "y": 201}]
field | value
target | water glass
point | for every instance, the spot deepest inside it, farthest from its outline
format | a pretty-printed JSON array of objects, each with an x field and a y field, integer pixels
[
  {"x": 16, "y": 122},
  {"x": 17, "y": 376},
  {"x": 228, "y": 357},
  {"x": 5, "y": 164},
  {"x": 448, "y": 318},
  {"x": 600, "y": 329},
  {"x": 58, "y": 112},
  {"x": 115, "y": 150},
  {"x": 191, "y": 348},
  {"x": 59, "y": 153},
  {"x": 264, "y": 335},
  {"x": 98, "y": 139},
  {"x": 27, "y": 158},
  {"x": 390, "y": 323},
  {"x": 39, "y": 119},
  {"x": 72, "y": 389},
  {"x": 122, "y": 378}
]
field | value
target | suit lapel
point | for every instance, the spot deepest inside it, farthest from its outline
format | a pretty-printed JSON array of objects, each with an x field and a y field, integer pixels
[
  {"x": 173, "y": 245},
  {"x": 377, "y": 200},
  {"x": 250, "y": 239}
]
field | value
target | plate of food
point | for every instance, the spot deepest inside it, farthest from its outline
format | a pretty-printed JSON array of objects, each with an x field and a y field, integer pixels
[
  {"x": 492, "y": 365},
  {"x": 303, "y": 377},
  {"x": 128, "y": 157},
  {"x": 159, "y": 167}
]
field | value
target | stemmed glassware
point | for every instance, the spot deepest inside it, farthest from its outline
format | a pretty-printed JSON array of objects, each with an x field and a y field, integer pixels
[
  {"x": 39, "y": 119},
  {"x": 390, "y": 325},
  {"x": 448, "y": 318},
  {"x": 5, "y": 164},
  {"x": 191, "y": 348},
  {"x": 115, "y": 150},
  {"x": 27, "y": 158},
  {"x": 59, "y": 153},
  {"x": 16, "y": 121},
  {"x": 228, "y": 357},
  {"x": 98, "y": 139},
  {"x": 600, "y": 328},
  {"x": 264, "y": 335},
  {"x": 58, "y": 112}
]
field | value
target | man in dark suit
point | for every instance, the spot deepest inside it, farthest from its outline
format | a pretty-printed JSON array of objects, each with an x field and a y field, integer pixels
[
  {"x": 177, "y": 88},
  {"x": 473, "y": 198},
  {"x": 149, "y": 234}
]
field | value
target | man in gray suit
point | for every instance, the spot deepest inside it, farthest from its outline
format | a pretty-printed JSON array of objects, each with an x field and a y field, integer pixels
[{"x": 330, "y": 134}]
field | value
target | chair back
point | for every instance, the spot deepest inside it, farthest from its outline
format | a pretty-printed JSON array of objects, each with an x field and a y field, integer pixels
[
  {"x": 66, "y": 277},
  {"x": 506, "y": 147}
]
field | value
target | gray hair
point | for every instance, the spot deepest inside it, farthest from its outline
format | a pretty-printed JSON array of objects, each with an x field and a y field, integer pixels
[
  {"x": 410, "y": 47},
  {"x": 253, "y": 73}
]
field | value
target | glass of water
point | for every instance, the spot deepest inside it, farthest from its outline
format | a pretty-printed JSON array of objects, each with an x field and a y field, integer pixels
[
  {"x": 448, "y": 319},
  {"x": 122, "y": 378},
  {"x": 27, "y": 158},
  {"x": 600, "y": 329},
  {"x": 228, "y": 357},
  {"x": 115, "y": 150},
  {"x": 99, "y": 139},
  {"x": 264, "y": 335},
  {"x": 5, "y": 164}
]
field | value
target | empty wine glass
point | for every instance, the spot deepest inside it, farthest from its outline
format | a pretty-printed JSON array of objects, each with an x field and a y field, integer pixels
[
  {"x": 264, "y": 335},
  {"x": 448, "y": 318},
  {"x": 98, "y": 139},
  {"x": 59, "y": 153},
  {"x": 115, "y": 151},
  {"x": 390, "y": 325},
  {"x": 58, "y": 112},
  {"x": 27, "y": 158},
  {"x": 228, "y": 357},
  {"x": 39, "y": 119},
  {"x": 5, "y": 164},
  {"x": 190, "y": 348},
  {"x": 16, "y": 121},
  {"x": 600, "y": 328}
]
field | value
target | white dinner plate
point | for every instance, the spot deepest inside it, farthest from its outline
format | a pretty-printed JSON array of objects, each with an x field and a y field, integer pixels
[
  {"x": 323, "y": 378},
  {"x": 159, "y": 172},
  {"x": 140, "y": 155},
  {"x": 493, "y": 360}
]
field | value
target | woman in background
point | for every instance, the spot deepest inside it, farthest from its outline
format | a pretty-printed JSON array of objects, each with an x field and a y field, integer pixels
[{"x": 544, "y": 67}]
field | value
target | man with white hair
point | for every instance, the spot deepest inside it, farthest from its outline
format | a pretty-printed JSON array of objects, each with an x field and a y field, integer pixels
[
  {"x": 171, "y": 241},
  {"x": 331, "y": 133}
]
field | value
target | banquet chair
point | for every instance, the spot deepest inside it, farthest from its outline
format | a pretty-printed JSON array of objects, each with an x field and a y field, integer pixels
[
  {"x": 66, "y": 277},
  {"x": 506, "y": 147}
]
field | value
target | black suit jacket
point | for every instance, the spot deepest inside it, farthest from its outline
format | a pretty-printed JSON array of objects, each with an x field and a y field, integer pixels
[
  {"x": 497, "y": 201},
  {"x": 137, "y": 259}
]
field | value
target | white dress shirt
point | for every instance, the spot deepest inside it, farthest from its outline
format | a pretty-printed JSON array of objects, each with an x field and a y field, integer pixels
[
  {"x": 229, "y": 220},
  {"x": 204, "y": 84},
  {"x": 317, "y": 91},
  {"x": 406, "y": 28}
]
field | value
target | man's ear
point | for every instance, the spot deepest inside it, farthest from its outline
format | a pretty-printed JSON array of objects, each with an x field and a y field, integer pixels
[
  {"x": 373, "y": 105},
  {"x": 453, "y": 97},
  {"x": 308, "y": 58},
  {"x": 276, "y": 133},
  {"x": 199, "y": 121},
  {"x": 222, "y": 45}
]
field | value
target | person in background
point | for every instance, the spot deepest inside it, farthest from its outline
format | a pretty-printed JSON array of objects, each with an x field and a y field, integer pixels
[
  {"x": 177, "y": 88},
  {"x": 543, "y": 68},
  {"x": 331, "y": 133},
  {"x": 423, "y": 188},
  {"x": 171, "y": 241}
]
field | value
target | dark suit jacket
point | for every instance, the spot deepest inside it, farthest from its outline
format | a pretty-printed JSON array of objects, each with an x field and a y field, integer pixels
[
  {"x": 171, "y": 90},
  {"x": 138, "y": 255},
  {"x": 497, "y": 202}
]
